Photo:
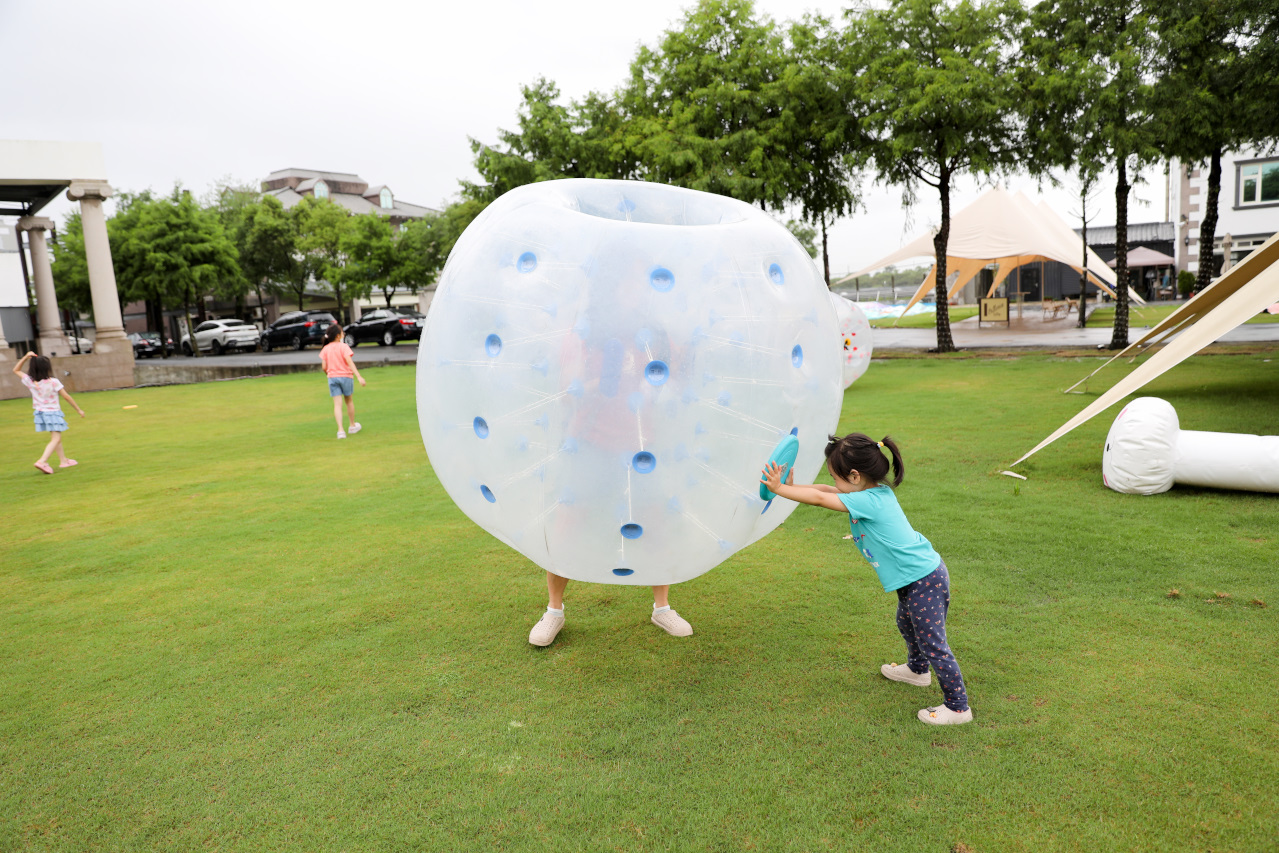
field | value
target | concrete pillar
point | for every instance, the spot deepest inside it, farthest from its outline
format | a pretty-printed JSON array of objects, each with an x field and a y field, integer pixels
[
  {"x": 51, "y": 339},
  {"x": 97, "y": 256}
]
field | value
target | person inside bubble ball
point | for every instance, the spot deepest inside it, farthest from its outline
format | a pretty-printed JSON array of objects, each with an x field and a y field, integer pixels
[{"x": 548, "y": 627}]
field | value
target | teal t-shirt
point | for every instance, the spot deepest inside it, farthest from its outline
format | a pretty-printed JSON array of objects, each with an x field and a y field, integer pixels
[{"x": 894, "y": 549}]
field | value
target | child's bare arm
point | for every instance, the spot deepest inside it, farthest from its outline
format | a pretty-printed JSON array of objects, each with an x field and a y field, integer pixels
[
  {"x": 355, "y": 370},
  {"x": 67, "y": 397},
  {"x": 811, "y": 495},
  {"x": 17, "y": 368}
]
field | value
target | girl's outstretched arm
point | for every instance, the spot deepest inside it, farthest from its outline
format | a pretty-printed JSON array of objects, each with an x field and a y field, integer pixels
[
  {"x": 67, "y": 397},
  {"x": 811, "y": 495}
]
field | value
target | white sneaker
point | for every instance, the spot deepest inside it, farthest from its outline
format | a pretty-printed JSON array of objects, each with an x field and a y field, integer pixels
[
  {"x": 901, "y": 672},
  {"x": 546, "y": 629},
  {"x": 341, "y": 434},
  {"x": 355, "y": 428},
  {"x": 672, "y": 623},
  {"x": 943, "y": 716}
]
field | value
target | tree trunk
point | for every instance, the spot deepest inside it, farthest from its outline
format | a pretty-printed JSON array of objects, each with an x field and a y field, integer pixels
[
  {"x": 944, "y": 341},
  {"x": 257, "y": 286},
  {"x": 1208, "y": 227},
  {"x": 1083, "y": 276},
  {"x": 186, "y": 309},
  {"x": 1119, "y": 336},
  {"x": 825, "y": 255}
]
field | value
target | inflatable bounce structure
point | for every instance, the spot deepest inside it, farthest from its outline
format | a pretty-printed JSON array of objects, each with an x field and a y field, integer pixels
[
  {"x": 607, "y": 364},
  {"x": 1147, "y": 451}
]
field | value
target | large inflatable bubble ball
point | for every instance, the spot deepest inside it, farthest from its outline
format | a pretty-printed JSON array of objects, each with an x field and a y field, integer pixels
[
  {"x": 854, "y": 338},
  {"x": 606, "y": 366}
]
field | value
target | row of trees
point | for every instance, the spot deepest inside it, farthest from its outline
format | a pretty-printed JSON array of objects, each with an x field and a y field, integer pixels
[
  {"x": 914, "y": 93},
  {"x": 174, "y": 250}
]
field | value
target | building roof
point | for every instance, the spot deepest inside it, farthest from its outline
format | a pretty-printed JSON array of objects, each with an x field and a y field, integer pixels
[
  {"x": 351, "y": 191},
  {"x": 1138, "y": 232}
]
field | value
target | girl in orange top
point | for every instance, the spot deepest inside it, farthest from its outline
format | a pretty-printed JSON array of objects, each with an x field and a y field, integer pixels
[{"x": 339, "y": 366}]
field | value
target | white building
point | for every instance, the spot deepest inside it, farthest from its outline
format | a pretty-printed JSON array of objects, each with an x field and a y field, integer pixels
[{"x": 1247, "y": 207}]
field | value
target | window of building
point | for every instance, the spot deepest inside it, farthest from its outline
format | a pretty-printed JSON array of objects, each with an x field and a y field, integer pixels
[
  {"x": 321, "y": 189},
  {"x": 384, "y": 198},
  {"x": 1259, "y": 182}
]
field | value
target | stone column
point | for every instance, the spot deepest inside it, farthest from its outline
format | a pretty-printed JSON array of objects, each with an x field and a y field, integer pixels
[
  {"x": 52, "y": 340},
  {"x": 97, "y": 256}
]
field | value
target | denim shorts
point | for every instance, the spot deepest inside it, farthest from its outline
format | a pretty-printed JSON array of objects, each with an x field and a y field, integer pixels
[
  {"x": 341, "y": 386},
  {"x": 50, "y": 422}
]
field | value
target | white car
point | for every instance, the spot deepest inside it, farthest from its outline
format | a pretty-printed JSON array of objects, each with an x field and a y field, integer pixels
[{"x": 218, "y": 336}]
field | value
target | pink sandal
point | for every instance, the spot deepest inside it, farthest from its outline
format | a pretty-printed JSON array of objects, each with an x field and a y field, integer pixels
[
  {"x": 44, "y": 466},
  {"x": 70, "y": 463}
]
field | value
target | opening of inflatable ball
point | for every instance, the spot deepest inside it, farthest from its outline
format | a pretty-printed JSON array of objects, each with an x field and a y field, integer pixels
[
  {"x": 481, "y": 427},
  {"x": 656, "y": 372},
  {"x": 643, "y": 462},
  {"x": 776, "y": 274},
  {"x": 488, "y": 494},
  {"x": 527, "y": 262},
  {"x": 492, "y": 345},
  {"x": 662, "y": 279},
  {"x": 632, "y": 530}
]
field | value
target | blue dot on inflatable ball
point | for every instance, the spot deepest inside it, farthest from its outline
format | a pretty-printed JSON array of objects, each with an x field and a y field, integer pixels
[
  {"x": 481, "y": 427},
  {"x": 527, "y": 262},
  {"x": 776, "y": 274},
  {"x": 656, "y": 372},
  {"x": 632, "y": 530},
  {"x": 623, "y": 572},
  {"x": 797, "y": 355},
  {"x": 643, "y": 462},
  {"x": 492, "y": 345},
  {"x": 662, "y": 279},
  {"x": 488, "y": 494}
]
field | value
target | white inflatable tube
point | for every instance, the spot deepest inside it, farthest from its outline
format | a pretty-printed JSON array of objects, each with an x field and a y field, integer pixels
[{"x": 1147, "y": 451}]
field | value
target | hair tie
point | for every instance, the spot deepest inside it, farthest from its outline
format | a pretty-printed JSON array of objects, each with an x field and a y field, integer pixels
[{"x": 880, "y": 443}]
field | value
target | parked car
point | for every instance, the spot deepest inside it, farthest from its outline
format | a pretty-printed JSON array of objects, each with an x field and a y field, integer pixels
[
  {"x": 217, "y": 336},
  {"x": 297, "y": 329},
  {"x": 386, "y": 326},
  {"x": 80, "y": 346},
  {"x": 149, "y": 345}
]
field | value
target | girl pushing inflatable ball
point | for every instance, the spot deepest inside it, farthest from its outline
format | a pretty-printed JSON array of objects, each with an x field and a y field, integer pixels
[
  {"x": 904, "y": 560},
  {"x": 45, "y": 389}
]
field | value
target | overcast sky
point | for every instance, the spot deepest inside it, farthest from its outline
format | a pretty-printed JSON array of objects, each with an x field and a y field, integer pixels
[{"x": 389, "y": 90}]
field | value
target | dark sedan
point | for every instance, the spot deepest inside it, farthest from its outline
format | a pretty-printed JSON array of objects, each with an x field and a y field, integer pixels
[
  {"x": 148, "y": 345},
  {"x": 386, "y": 326}
]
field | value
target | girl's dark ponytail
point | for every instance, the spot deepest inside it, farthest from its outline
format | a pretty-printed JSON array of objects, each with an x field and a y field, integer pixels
[
  {"x": 861, "y": 453},
  {"x": 899, "y": 467}
]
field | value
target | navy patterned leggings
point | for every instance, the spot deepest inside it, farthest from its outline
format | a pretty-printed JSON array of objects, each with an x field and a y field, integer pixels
[{"x": 921, "y": 618}]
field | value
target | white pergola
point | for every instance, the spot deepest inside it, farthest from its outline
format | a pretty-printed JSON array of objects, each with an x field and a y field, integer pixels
[{"x": 32, "y": 174}]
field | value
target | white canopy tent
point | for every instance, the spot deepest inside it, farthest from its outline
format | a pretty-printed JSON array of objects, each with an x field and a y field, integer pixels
[
  {"x": 1245, "y": 291},
  {"x": 1006, "y": 229}
]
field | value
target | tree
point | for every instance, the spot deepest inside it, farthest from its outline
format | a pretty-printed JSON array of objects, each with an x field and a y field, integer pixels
[
  {"x": 70, "y": 268},
  {"x": 175, "y": 250},
  {"x": 369, "y": 247},
  {"x": 269, "y": 254},
  {"x": 1216, "y": 90},
  {"x": 322, "y": 227},
  {"x": 822, "y": 116},
  {"x": 940, "y": 101},
  {"x": 583, "y": 140},
  {"x": 1094, "y": 97},
  {"x": 705, "y": 106},
  {"x": 232, "y": 203}
]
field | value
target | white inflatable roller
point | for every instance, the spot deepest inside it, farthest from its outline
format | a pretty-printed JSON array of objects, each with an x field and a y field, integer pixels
[
  {"x": 1147, "y": 451},
  {"x": 854, "y": 338},
  {"x": 606, "y": 366}
]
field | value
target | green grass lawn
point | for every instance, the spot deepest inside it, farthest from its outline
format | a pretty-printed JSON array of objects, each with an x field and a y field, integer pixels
[
  {"x": 228, "y": 631},
  {"x": 1150, "y": 315},
  {"x": 925, "y": 321}
]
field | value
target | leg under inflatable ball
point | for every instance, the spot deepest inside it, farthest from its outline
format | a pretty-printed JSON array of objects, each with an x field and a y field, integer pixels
[{"x": 1147, "y": 451}]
